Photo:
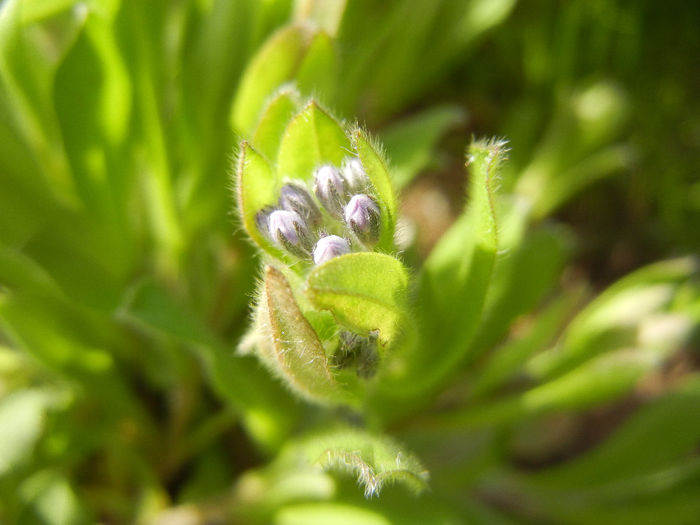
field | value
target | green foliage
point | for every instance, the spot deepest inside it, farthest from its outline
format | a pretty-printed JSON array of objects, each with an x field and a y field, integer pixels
[
  {"x": 293, "y": 344},
  {"x": 365, "y": 292},
  {"x": 513, "y": 344},
  {"x": 373, "y": 460}
]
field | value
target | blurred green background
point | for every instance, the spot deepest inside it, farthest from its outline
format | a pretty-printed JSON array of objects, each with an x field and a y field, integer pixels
[{"x": 125, "y": 278}]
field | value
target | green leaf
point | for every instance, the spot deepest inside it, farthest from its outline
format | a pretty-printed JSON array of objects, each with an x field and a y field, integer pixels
[
  {"x": 598, "y": 381},
  {"x": 106, "y": 109},
  {"x": 481, "y": 15},
  {"x": 374, "y": 460},
  {"x": 456, "y": 278},
  {"x": 21, "y": 422},
  {"x": 657, "y": 436},
  {"x": 140, "y": 30},
  {"x": 678, "y": 505},
  {"x": 266, "y": 410},
  {"x": 279, "y": 111},
  {"x": 376, "y": 169},
  {"x": 323, "y": 513},
  {"x": 34, "y": 40},
  {"x": 326, "y": 14},
  {"x": 295, "y": 347},
  {"x": 274, "y": 64},
  {"x": 621, "y": 316},
  {"x": 507, "y": 359},
  {"x": 410, "y": 142},
  {"x": 522, "y": 276},
  {"x": 153, "y": 306},
  {"x": 318, "y": 70},
  {"x": 63, "y": 341},
  {"x": 20, "y": 272},
  {"x": 364, "y": 292},
  {"x": 50, "y": 494},
  {"x": 93, "y": 103},
  {"x": 577, "y": 148},
  {"x": 312, "y": 138},
  {"x": 256, "y": 187}
]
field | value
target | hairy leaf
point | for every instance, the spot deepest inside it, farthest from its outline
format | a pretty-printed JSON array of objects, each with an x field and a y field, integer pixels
[
  {"x": 456, "y": 277},
  {"x": 299, "y": 355},
  {"x": 378, "y": 174},
  {"x": 256, "y": 187},
  {"x": 374, "y": 460},
  {"x": 311, "y": 139},
  {"x": 279, "y": 111},
  {"x": 364, "y": 291}
]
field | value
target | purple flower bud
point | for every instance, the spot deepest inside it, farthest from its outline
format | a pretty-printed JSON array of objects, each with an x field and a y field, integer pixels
[
  {"x": 261, "y": 220},
  {"x": 328, "y": 247},
  {"x": 329, "y": 187},
  {"x": 288, "y": 230},
  {"x": 295, "y": 198},
  {"x": 355, "y": 175},
  {"x": 363, "y": 217}
]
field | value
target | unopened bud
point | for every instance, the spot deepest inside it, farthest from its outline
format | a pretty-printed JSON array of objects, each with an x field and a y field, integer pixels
[
  {"x": 355, "y": 175},
  {"x": 329, "y": 187},
  {"x": 295, "y": 198},
  {"x": 289, "y": 231},
  {"x": 328, "y": 247},
  {"x": 363, "y": 217},
  {"x": 261, "y": 220}
]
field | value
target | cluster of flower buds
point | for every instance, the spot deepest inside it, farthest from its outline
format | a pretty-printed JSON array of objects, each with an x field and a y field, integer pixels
[{"x": 299, "y": 226}]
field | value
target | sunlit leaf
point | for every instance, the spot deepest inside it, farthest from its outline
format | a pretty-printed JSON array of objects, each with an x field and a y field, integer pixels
[
  {"x": 321, "y": 513},
  {"x": 295, "y": 346},
  {"x": 51, "y": 495},
  {"x": 617, "y": 317},
  {"x": 457, "y": 274},
  {"x": 378, "y": 173},
  {"x": 279, "y": 111},
  {"x": 374, "y": 460},
  {"x": 327, "y": 14},
  {"x": 364, "y": 291},
  {"x": 312, "y": 138},
  {"x": 273, "y": 65},
  {"x": 522, "y": 276},
  {"x": 256, "y": 186},
  {"x": 21, "y": 422},
  {"x": 318, "y": 70}
]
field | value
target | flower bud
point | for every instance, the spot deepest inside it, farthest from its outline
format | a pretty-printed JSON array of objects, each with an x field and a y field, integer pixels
[
  {"x": 363, "y": 217},
  {"x": 328, "y": 247},
  {"x": 329, "y": 187},
  {"x": 295, "y": 198},
  {"x": 354, "y": 174},
  {"x": 261, "y": 220},
  {"x": 289, "y": 231}
]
